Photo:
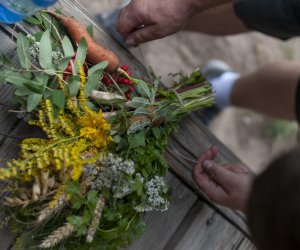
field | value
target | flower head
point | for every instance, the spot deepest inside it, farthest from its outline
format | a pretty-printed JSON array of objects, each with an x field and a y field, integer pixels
[{"x": 95, "y": 128}]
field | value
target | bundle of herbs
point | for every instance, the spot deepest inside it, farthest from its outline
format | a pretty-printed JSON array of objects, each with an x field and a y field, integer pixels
[{"x": 87, "y": 182}]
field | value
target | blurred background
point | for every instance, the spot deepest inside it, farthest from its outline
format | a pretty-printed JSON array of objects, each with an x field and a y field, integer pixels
[{"x": 255, "y": 138}]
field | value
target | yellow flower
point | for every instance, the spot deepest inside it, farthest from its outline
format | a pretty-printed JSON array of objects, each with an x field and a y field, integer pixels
[{"x": 95, "y": 128}]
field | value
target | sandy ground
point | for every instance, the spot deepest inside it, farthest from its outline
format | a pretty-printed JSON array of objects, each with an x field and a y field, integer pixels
[{"x": 256, "y": 139}]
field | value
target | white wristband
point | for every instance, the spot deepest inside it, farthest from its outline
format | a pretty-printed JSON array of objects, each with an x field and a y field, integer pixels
[{"x": 222, "y": 87}]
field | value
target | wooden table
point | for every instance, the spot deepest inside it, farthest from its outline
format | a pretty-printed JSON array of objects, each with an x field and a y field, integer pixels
[{"x": 191, "y": 223}]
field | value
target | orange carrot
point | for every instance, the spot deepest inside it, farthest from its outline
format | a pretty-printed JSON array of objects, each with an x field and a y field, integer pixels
[{"x": 96, "y": 53}]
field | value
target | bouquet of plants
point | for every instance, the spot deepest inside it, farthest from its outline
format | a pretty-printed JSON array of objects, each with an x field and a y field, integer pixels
[{"x": 99, "y": 165}]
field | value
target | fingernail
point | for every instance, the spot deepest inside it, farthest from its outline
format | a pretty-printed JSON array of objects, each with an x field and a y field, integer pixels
[
  {"x": 243, "y": 168},
  {"x": 130, "y": 43},
  {"x": 207, "y": 165}
]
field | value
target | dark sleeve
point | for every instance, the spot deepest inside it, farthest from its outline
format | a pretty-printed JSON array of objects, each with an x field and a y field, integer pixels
[
  {"x": 297, "y": 102},
  {"x": 278, "y": 18}
]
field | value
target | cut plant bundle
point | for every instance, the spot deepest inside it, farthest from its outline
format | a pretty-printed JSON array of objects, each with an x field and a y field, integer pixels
[{"x": 99, "y": 165}]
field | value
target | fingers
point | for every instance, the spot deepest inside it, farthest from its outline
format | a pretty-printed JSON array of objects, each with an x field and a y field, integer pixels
[
  {"x": 209, "y": 154},
  {"x": 143, "y": 35},
  {"x": 128, "y": 20},
  {"x": 219, "y": 174},
  {"x": 202, "y": 178},
  {"x": 237, "y": 168}
]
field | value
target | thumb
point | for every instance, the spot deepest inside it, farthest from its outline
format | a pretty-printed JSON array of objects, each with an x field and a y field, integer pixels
[
  {"x": 218, "y": 173},
  {"x": 142, "y": 35}
]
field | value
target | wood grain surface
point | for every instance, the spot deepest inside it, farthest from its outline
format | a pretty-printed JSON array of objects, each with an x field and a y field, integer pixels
[{"x": 191, "y": 222}]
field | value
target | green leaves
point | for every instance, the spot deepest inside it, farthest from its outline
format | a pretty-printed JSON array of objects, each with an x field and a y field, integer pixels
[
  {"x": 138, "y": 125},
  {"x": 90, "y": 30},
  {"x": 137, "y": 140},
  {"x": 23, "y": 51},
  {"x": 143, "y": 89},
  {"x": 76, "y": 198},
  {"x": 94, "y": 76},
  {"x": 142, "y": 111},
  {"x": 140, "y": 101},
  {"x": 58, "y": 98},
  {"x": 73, "y": 85},
  {"x": 100, "y": 66},
  {"x": 67, "y": 47},
  {"x": 81, "y": 222},
  {"x": 81, "y": 52},
  {"x": 45, "y": 56},
  {"x": 33, "y": 20},
  {"x": 33, "y": 101},
  {"x": 4, "y": 60}
]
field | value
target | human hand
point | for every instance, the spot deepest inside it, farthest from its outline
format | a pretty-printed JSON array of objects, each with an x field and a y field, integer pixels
[
  {"x": 228, "y": 185},
  {"x": 143, "y": 20}
]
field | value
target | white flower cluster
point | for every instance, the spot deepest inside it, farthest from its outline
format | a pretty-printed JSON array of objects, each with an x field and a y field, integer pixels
[
  {"x": 34, "y": 50},
  {"x": 119, "y": 176},
  {"x": 111, "y": 174},
  {"x": 154, "y": 189}
]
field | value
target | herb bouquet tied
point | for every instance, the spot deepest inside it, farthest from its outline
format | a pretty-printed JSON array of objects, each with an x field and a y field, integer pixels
[{"x": 86, "y": 183}]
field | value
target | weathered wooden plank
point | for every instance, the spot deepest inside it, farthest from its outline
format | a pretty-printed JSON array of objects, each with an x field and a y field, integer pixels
[
  {"x": 245, "y": 245},
  {"x": 162, "y": 225},
  {"x": 208, "y": 231},
  {"x": 8, "y": 150}
]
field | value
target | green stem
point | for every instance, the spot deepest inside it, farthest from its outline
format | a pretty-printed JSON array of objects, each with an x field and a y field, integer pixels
[
  {"x": 117, "y": 86},
  {"x": 124, "y": 73},
  {"x": 108, "y": 230},
  {"x": 129, "y": 223}
]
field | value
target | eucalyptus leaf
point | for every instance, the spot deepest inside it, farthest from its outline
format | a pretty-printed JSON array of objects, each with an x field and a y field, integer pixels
[
  {"x": 143, "y": 89},
  {"x": 63, "y": 64},
  {"x": 35, "y": 88},
  {"x": 16, "y": 78},
  {"x": 81, "y": 52},
  {"x": 22, "y": 91},
  {"x": 46, "y": 20},
  {"x": 33, "y": 20},
  {"x": 23, "y": 51},
  {"x": 45, "y": 56},
  {"x": 38, "y": 83},
  {"x": 99, "y": 66},
  {"x": 58, "y": 98},
  {"x": 67, "y": 47},
  {"x": 90, "y": 30},
  {"x": 56, "y": 30},
  {"x": 33, "y": 101},
  {"x": 93, "y": 82},
  {"x": 73, "y": 86}
]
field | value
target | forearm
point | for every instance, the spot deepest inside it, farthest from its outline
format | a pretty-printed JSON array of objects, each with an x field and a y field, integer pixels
[
  {"x": 221, "y": 20},
  {"x": 203, "y": 5},
  {"x": 271, "y": 90}
]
